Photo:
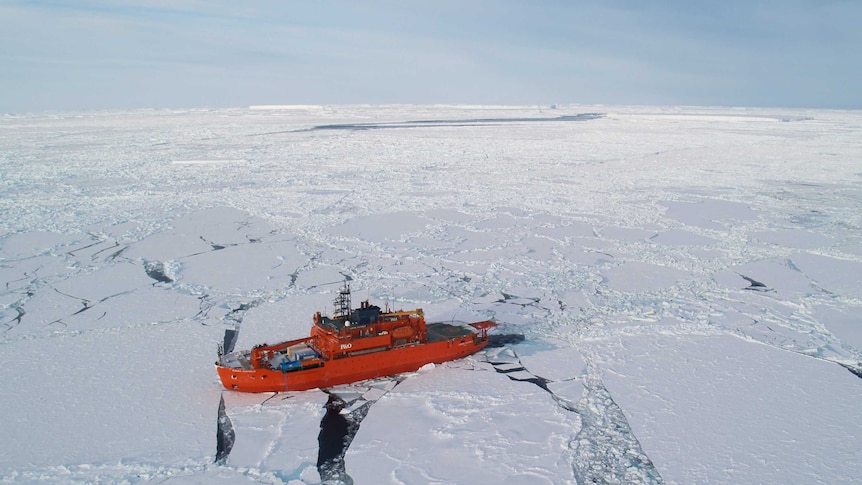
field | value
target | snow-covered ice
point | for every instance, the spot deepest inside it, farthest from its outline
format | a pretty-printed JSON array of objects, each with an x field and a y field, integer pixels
[
  {"x": 718, "y": 409},
  {"x": 687, "y": 282}
]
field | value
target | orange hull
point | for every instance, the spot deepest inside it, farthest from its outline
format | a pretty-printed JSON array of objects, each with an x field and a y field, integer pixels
[
  {"x": 353, "y": 345},
  {"x": 349, "y": 369}
]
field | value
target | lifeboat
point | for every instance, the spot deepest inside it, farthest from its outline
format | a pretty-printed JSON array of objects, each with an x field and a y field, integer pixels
[{"x": 352, "y": 345}]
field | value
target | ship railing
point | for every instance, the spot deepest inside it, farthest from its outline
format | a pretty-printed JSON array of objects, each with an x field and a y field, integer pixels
[{"x": 417, "y": 313}]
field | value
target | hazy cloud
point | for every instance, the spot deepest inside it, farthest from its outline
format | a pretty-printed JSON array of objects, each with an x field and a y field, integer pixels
[{"x": 94, "y": 55}]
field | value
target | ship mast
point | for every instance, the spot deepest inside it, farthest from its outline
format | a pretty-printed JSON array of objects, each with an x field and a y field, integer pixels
[{"x": 342, "y": 302}]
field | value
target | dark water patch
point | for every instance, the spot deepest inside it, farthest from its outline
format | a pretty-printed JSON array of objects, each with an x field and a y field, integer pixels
[
  {"x": 508, "y": 298},
  {"x": 86, "y": 307},
  {"x": 21, "y": 312},
  {"x": 85, "y": 303},
  {"x": 753, "y": 284},
  {"x": 503, "y": 368},
  {"x": 502, "y": 340},
  {"x": 506, "y": 371},
  {"x": 537, "y": 380},
  {"x": 230, "y": 337},
  {"x": 340, "y": 425},
  {"x": 337, "y": 431},
  {"x": 508, "y": 367},
  {"x": 204, "y": 306},
  {"x": 15, "y": 321},
  {"x": 157, "y": 271},
  {"x": 113, "y": 255},
  {"x": 225, "y": 435},
  {"x": 237, "y": 314},
  {"x": 100, "y": 241},
  {"x": 27, "y": 276},
  {"x": 455, "y": 123},
  {"x": 116, "y": 254},
  {"x": 216, "y": 247},
  {"x": 856, "y": 370}
]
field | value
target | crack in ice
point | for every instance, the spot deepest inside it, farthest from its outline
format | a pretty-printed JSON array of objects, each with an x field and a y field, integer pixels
[{"x": 605, "y": 449}]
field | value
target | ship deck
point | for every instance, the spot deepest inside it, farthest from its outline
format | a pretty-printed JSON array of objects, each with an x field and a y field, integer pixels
[
  {"x": 446, "y": 331},
  {"x": 236, "y": 360}
]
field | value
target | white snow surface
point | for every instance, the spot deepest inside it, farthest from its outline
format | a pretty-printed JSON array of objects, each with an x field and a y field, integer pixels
[{"x": 687, "y": 281}]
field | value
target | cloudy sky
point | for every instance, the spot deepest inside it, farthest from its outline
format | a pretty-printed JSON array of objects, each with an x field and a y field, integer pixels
[{"x": 105, "y": 54}]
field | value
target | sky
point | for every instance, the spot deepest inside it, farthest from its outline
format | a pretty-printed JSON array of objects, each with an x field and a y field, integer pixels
[{"x": 126, "y": 54}]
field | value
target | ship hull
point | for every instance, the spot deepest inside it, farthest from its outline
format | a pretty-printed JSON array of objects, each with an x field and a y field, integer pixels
[{"x": 350, "y": 368}]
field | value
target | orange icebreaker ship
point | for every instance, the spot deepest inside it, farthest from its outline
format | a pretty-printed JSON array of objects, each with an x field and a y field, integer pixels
[{"x": 353, "y": 345}]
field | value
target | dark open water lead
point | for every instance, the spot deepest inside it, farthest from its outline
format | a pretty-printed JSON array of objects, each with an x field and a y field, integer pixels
[
  {"x": 336, "y": 433},
  {"x": 225, "y": 435}
]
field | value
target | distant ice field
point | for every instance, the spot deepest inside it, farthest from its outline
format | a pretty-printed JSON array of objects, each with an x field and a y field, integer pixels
[{"x": 688, "y": 282}]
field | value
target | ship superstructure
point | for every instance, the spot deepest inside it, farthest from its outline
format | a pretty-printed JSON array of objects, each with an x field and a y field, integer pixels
[{"x": 351, "y": 345}]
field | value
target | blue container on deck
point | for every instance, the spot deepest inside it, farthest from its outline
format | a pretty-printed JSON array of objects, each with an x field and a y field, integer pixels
[{"x": 290, "y": 365}]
